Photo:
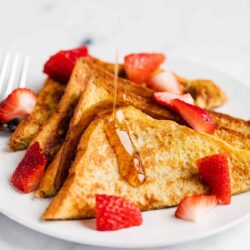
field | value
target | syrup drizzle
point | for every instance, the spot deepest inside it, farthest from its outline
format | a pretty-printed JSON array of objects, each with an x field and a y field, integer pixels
[
  {"x": 129, "y": 160},
  {"x": 130, "y": 164},
  {"x": 115, "y": 81}
]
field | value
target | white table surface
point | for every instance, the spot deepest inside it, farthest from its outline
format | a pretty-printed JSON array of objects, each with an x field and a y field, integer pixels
[{"x": 215, "y": 32}]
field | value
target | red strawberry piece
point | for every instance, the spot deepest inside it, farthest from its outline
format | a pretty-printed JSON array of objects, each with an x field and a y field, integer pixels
[
  {"x": 30, "y": 170},
  {"x": 140, "y": 67},
  {"x": 60, "y": 65},
  {"x": 196, "y": 117},
  {"x": 215, "y": 171},
  {"x": 166, "y": 98},
  {"x": 19, "y": 103},
  {"x": 114, "y": 213},
  {"x": 166, "y": 81},
  {"x": 193, "y": 208}
]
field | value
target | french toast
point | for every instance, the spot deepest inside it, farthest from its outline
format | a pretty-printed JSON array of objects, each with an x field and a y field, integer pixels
[
  {"x": 46, "y": 186},
  {"x": 168, "y": 151},
  {"x": 205, "y": 92},
  {"x": 98, "y": 95},
  {"x": 96, "y": 98},
  {"x": 231, "y": 123},
  {"x": 47, "y": 100},
  {"x": 133, "y": 133},
  {"x": 52, "y": 133}
]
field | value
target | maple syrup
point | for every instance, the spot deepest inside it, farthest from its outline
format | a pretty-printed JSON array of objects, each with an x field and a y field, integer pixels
[
  {"x": 130, "y": 164},
  {"x": 115, "y": 81}
]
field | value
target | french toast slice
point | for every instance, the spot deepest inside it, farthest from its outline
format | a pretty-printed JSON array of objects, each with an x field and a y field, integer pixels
[
  {"x": 97, "y": 96},
  {"x": 47, "y": 100},
  {"x": 168, "y": 152},
  {"x": 52, "y": 133},
  {"x": 205, "y": 92},
  {"x": 46, "y": 186}
]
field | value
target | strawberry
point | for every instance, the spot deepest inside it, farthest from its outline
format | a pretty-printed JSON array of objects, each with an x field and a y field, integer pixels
[
  {"x": 166, "y": 98},
  {"x": 196, "y": 117},
  {"x": 166, "y": 81},
  {"x": 18, "y": 103},
  {"x": 114, "y": 213},
  {"x": 30, "y": 170},
  {"x": 140, "y": 67},
  {"x": 215, "y": 171},
  {"x": 60, "y": 65},
  {"x": 192, "y": 208}
]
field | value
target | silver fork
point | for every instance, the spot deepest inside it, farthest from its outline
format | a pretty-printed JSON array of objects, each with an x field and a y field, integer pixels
[{"x": 13, "y": 73}]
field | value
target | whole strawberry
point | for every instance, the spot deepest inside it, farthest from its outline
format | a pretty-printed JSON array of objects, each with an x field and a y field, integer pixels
[
  {"x": 60, "y": 65},
  {"x": 114, "y": 213}
]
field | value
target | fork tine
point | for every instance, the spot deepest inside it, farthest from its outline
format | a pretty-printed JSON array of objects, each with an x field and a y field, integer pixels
[
  {"x": 22, "y": 81},
  {"x": 3, "y": 72},
  {"x": 11, "y": 82}
]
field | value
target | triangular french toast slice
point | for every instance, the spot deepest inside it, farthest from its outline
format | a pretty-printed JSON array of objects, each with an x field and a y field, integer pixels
[
  {"x": 168, "y": 152},
  {"x": 52, "y": 133},
  {"x": 98, "y": 96}
]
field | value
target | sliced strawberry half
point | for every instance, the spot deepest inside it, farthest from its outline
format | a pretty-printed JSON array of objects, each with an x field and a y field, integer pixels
[
  {"x": 30, "y": 170},
  {"x": 19, "y": 103},
  {"x": 114, "y": 213},
  {"x": 196, "y": 117},
  {"x": 166, "y": 81},
  {"x": 140, "y": 67},
  {"x": 193, "y": 208},
  {"x": 60, "y": 65},
  {"x": 215, "y": 171},
  {"x": 166, "y": 98}
]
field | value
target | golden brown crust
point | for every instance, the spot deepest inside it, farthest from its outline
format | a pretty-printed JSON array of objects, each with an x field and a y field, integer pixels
[
  {"x": 169, "y": 153},
  {"x": 109, "y": 66},
  {"x": 233, "y": 137},
  {"x": 47, "y": 100},
  {"x": 46, "y": 187},
  {"x": 231, "y": 123}
]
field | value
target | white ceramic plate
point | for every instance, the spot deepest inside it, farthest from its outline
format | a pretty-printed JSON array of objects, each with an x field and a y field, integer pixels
[{"x": 160, "y": 228}]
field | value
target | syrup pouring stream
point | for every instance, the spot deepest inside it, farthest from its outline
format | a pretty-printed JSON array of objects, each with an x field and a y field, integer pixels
[{"x": 129, "y": 160}]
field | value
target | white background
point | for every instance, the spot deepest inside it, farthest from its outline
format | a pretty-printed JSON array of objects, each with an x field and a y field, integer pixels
[{"x": 215, "y": 32}]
